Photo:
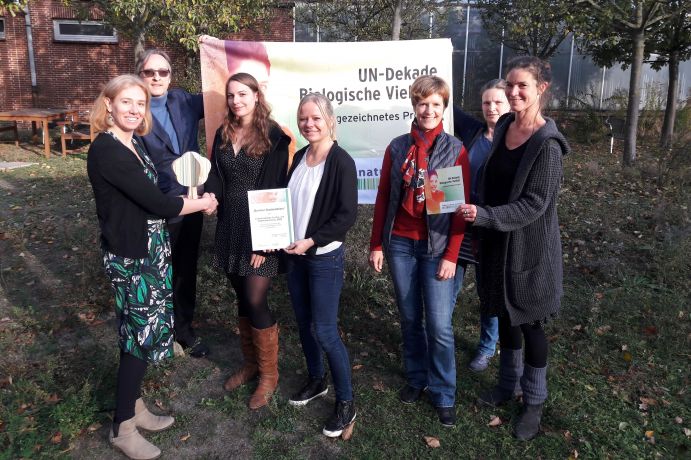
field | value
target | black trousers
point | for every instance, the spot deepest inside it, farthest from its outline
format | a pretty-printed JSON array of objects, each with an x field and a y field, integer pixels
[{"x": 185, "y": 234}]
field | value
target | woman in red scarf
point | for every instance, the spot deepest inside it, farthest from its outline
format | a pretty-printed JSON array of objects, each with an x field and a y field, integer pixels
[{"x": 422, "y": 249}]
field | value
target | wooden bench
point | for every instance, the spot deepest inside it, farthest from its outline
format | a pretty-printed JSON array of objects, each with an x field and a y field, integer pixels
[
  {"x": 12, "y": 127},
  {"x": 71, "y": 130}
]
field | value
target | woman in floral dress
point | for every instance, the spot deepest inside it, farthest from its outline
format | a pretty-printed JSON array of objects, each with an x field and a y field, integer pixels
[{"x": 136, "y": 251}]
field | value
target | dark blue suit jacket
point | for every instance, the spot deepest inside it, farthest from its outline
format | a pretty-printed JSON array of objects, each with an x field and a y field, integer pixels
[{"x": 185, "y": 112}]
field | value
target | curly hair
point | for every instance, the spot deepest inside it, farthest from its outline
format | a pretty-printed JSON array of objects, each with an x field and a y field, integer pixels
[
  {"x": 99, "y": 112},
  {"x": 257, "y": 141}
]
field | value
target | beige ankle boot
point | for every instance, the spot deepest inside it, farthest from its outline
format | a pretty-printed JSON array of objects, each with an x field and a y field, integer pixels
[
  {"x": 133, "y": 444},
  {"x": 147, "y": 421}
]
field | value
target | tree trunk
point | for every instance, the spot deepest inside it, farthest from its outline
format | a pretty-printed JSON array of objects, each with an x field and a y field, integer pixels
[
  {"x": 139, "y": 45},
  {"x": 396, "y": 25},
  {"x": 634, "y": 97},
  {"x": 671, "y": 106}
]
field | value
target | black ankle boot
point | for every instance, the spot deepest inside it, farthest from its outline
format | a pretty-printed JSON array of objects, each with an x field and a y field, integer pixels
[{"x": 527, "y": 424}]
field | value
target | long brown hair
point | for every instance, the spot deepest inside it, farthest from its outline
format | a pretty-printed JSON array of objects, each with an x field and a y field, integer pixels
[{"x": 257, "y": 141}]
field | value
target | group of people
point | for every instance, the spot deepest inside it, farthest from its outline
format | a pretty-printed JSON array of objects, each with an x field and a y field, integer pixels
[{"x": 150, "y": 237}]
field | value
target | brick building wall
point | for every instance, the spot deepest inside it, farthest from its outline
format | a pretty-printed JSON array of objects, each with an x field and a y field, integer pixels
[{"x": 72, "y": 74}]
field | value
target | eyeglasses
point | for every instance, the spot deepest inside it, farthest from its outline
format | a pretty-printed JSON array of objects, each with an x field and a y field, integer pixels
[{"x": 148, "y": 73}]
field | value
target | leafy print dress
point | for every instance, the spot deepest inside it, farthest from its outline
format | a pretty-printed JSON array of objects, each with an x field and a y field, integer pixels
[{"x": 143, "y": 290}]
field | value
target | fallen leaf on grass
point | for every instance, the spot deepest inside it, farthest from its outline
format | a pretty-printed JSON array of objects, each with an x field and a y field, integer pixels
[
  {"x": 678, "y": 420},
  {"x": 627, "y": 356},
  {"x": 185, "y": 437},
  {"x": 494, "y": 421},
  {"x": 650, "y": 330},
  {"x": 348, "y": 432},
  {"x": 602, "y": 330},
  {"x": 379, "y": 386},
  {"x": 6, "y": 381},
  {"x": 432, "y": 442},
  {"x": 93, "y": 427},
  {"x": 646, "y": 402},
  {"x": 53, "y": 399},
  {"x": 623, "y": 425},
  {"x": 159, "y": 404},
  {"x": 574, "y": 455},
  {"x": 357, "y": 367},
  {"x": 56, "y": 438},
  {"x": 577, "y": 327},
  {"x": 687, "y": 432},
  {"x": 568, "y": 436},
  {"x": 650, "y": 436}
]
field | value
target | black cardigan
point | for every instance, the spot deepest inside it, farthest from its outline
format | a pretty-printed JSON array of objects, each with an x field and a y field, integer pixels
[
  {"x": 125, "y": 197},
  {"x": 335, "y": 204},
  {"x": 273, "y": 171}
]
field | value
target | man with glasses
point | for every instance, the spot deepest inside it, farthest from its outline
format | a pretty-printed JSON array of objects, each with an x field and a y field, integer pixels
[{"x": 176, "y": 114}]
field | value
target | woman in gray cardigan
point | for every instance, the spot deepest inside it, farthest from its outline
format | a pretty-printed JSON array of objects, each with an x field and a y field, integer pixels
[{"x": 520, "y": 246}]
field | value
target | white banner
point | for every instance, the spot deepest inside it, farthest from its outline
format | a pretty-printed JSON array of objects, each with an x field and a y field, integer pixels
[{"x": 368, "y": 84}]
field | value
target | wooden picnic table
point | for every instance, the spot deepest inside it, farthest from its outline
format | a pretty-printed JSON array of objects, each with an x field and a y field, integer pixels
[{"x": 35, "y": 116}]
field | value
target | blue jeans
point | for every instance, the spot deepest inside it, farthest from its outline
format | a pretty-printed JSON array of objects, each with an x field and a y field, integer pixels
[
  {"x": 489, "y": 325},
  {"x": 426, "y": 308},
  {"x": 315, "y": 284}
]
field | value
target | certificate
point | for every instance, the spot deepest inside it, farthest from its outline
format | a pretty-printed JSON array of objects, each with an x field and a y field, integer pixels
[
  {"x": 271, "y": 220},
  {"x": 444, "y": 190}
]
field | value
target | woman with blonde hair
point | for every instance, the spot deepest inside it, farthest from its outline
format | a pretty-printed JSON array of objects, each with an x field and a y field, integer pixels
[
  {"x": 250, "y": 152},
  {"x": 323, "y": 190},
  {"x": 131, "y": 214}
]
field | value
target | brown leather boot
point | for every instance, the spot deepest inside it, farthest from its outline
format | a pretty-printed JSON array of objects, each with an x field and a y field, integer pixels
[
  {"x": 147, "y": 421},
  {"x": 132, "y": 443},
  {"x": 266, "y": 346},
  {"x": 249, "y": 369}
]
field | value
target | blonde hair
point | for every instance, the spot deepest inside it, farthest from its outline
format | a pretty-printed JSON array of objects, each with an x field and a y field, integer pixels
[
  {"x": 325, "y": 108},
  {"x": 99, "y": 112},
  {"x": 426, "y": 85}
]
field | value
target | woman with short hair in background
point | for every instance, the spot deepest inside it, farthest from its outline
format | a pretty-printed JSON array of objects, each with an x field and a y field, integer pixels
[
  {"x": 323, "y": 191},
  {"x": 421, "y": 248},
  {"x": 131, "y": 214},
  {"x": 520, "y": 246}
]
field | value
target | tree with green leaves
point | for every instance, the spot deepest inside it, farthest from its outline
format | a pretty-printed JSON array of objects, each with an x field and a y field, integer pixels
[
  {"x": 617, "y": 31},
  {"x": 358, "y": 20},
  {"x": 13, "y": 6},
  {"x": 532, "y": 27},
  {"x": 175, "y": 21},
  {"x": 670, "y": 46}
]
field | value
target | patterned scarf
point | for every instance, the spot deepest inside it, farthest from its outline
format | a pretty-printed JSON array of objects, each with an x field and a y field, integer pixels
[{"x": 414, "y": 168}]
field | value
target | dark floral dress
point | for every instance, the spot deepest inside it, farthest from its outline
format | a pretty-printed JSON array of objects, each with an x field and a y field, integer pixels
[{"x": 143, "y": 290}]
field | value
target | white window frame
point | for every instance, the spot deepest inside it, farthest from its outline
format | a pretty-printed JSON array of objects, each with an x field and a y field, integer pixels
[
  {"x": 58, "y": 37},
  {"x": 2, "y": 32}
]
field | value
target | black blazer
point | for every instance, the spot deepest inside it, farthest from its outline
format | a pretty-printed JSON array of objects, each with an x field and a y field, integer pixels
[
  {"x": 335, "y": 204},
  {"x": 185, "y": 111},
  {"x": 125, "y": 197}
]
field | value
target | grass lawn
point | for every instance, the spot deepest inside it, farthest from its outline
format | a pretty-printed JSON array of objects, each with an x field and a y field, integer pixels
[{"x": 619, "y": 359}]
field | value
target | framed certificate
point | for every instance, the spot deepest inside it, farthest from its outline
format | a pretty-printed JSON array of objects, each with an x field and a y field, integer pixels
[
  {"x": 444, "y": 190},
  {"x": 271, "y": 220}
]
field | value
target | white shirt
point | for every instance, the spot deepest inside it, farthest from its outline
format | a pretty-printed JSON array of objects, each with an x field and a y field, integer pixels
[{"x": 303, "y": 187}]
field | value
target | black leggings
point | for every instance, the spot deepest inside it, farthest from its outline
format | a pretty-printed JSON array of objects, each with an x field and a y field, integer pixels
[
  {"x": 536, "y": 346},
  {"x": 251, "y": 292},
  {"x": 130, "y": 375}
]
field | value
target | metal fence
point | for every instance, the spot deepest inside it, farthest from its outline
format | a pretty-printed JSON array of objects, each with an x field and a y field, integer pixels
[{"x": 576, "y": 79}]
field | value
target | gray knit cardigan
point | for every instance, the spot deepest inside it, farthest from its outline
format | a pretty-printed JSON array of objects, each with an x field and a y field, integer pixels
[{"x": 532, "y": 248}]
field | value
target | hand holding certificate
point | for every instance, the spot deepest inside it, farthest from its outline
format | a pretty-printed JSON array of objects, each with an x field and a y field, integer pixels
[
  {"x": 271, "y": 221},
  {"x": 444, "y": 190}
]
